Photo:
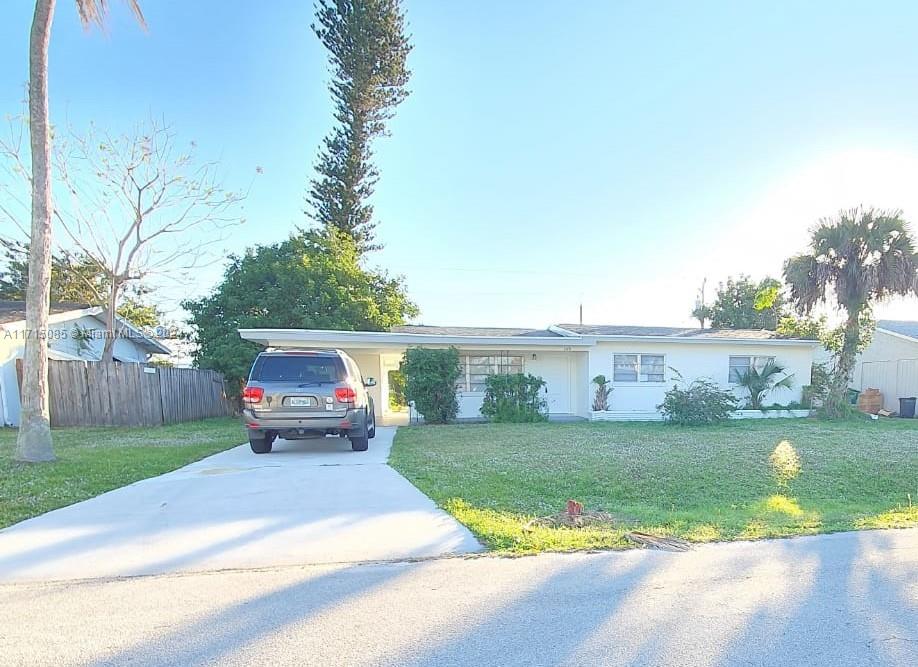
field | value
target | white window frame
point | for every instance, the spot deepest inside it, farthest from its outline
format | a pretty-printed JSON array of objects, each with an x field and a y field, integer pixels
[
  {"x": 756, "y": 361},
  {"x": 495, "y": 365},
  {"x": 640, "y": 363}
]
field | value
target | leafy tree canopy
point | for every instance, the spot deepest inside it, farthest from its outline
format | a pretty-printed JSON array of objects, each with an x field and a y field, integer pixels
[
  {"x": 74, "y": 277},
  {"x": 310, "y": 281},
  {"x": 745, "y": 304}
]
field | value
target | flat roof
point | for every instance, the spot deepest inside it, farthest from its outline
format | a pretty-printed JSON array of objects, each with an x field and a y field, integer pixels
[{"x": 559, "y": 336}]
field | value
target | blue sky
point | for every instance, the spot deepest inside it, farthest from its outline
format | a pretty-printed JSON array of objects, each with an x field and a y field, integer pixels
[{"x": 609, "y": 153}]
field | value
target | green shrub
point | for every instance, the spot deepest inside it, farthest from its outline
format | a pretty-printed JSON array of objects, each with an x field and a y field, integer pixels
[
  {"x": 430, "y": 381},
  {"x": 700, "y": 402},
  {"x": 514, "y": 398}
]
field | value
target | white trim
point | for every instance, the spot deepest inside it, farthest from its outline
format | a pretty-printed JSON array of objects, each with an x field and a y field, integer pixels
[
  {"x": 625, "y": 416},
  {"x": 715, "y": 341},
  {"x": 896, "y": 334},
  {"x": 278, "y": 337},
  {"x": 775, "y": 413},
  {"x": 324, "y": 337},
  {"x": 654, "y": 416}
]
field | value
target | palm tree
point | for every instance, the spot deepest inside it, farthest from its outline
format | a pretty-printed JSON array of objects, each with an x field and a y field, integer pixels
[
  {"x": 760, "y": 383},
  {"x": 33, "y": 444},
  {"x": 863, "y": 256}
]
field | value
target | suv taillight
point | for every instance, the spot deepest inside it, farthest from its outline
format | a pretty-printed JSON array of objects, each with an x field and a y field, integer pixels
[
  {"x": 252, "y": 394},
  {"x": 345, "y": 394}
]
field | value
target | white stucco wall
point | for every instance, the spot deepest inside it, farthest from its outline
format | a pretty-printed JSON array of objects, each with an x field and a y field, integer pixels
[
  {"x": 369, "y": 365},
  {"x": 569, "y": 374},
  {"x": 695, "y": 360}
]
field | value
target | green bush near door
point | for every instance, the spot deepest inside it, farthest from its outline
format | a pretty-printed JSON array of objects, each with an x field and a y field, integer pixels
[
  {"x": 430, "y": 382},
  {"x": 515, "y": 398}
]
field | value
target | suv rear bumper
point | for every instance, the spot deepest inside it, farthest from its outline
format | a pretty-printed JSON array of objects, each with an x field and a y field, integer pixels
[{"x": 353, "y": 420}]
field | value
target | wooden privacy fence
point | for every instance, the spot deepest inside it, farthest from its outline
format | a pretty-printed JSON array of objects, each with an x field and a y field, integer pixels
[{"x": 93, "y": 393}]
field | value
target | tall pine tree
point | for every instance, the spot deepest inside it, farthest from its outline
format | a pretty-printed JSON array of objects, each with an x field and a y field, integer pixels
[{"x": 368, "y": 49}]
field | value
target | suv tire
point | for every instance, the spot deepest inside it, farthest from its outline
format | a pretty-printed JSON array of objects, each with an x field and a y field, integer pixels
[
  {"x": 261, "y": 445},
  {"x": 371, "y": 424},
  {"x": 360, "y": 443}
]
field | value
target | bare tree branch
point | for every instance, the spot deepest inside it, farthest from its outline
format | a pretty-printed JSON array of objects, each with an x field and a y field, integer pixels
[{"x": 137, "y": 203}]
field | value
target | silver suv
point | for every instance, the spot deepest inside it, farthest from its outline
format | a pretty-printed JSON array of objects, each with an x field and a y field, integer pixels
[{"x": 299, "y": 394}]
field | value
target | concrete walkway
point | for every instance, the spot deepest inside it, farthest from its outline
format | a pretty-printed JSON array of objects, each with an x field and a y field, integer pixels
[
  {"x": 310, "y": 501},
  {"x": 844, "y": 600}
]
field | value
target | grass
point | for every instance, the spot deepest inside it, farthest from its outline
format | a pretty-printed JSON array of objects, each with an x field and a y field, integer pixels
[
  {"x": 700, "y": 484},
  {"x": 91, "y": 461}
]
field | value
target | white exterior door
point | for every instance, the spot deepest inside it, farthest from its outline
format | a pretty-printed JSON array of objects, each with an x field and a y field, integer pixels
[{"x": 555, "y": 369}]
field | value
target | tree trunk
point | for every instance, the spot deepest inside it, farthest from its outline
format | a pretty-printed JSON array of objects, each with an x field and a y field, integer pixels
[
  {"x": 33, "y": 443},
  {"x": 111, "y": 323},
  {"x": 838, "y": 395}
]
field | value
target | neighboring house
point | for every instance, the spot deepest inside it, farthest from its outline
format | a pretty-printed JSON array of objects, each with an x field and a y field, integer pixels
[
  {"x": 639, "y": 361},
  {"x": 76, "y": 332},
  {"x": 182, "y": 352},
  {"x": 890, "y": 362}
]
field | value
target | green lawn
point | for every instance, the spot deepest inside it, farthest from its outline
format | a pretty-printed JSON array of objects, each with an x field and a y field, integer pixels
[
  {"x": 701, "y": 484},
  {"x": 91, "y": 461}
]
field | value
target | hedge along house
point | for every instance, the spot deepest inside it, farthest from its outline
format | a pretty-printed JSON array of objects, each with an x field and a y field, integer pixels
[{"x": 638, "y": 361}]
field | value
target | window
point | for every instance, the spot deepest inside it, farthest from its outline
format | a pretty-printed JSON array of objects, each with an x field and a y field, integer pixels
[
  {"x": 739, "y": 366},
  {"x": 476, "y": 367},
  {"x": 638, "y": 368},
  {"x": 294, "y": 368}
]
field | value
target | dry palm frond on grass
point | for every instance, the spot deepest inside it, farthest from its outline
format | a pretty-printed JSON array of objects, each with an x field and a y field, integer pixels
[
  {"x": 658, "y": 542},
  {"x": 575, "y": 517}
]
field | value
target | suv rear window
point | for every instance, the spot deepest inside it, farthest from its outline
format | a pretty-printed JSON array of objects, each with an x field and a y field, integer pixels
[{"x": 295, "y": 368}]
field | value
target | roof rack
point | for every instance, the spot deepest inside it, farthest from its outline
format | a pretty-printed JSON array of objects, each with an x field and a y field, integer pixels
[{"x": 325, "y": 350}]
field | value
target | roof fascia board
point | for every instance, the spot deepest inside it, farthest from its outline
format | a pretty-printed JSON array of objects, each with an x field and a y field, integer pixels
[
  {"x": 896, "y": 334},
  {"x": 342, "y": 338},
  {"x": 561, "y": 331},
  {"x": 57, "y": 318},
  {"x": 738, "y": 341}
]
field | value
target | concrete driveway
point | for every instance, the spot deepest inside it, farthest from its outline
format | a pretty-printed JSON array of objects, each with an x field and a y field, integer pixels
[{"x": 308, "y": 502}]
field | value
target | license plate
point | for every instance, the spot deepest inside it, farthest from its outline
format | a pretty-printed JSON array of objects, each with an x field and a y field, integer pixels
[{"x": 301, "y": 402}]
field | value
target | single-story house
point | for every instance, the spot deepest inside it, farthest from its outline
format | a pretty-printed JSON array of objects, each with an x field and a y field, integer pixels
[
  {"x": 890, "y": 362},
  {"x": 76, "y": 332},
  {"x": 640, "y": 362}
]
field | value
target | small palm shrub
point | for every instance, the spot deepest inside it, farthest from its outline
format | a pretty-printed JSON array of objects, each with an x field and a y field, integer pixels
[
  {"x": 760, "y": 383},
  {"x": 516, "y": 397},
  {"x": 699, "y": 402},
  {"x": 603, "y": 391}
]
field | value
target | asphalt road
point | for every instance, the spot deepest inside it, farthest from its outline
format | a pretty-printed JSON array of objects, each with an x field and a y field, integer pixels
[
  {"x": 836, "y": 600},
  {"x": 308, "y": 502}
]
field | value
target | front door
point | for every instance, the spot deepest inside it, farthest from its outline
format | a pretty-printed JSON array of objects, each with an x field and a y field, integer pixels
[{"x": 555, "y": 369}]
